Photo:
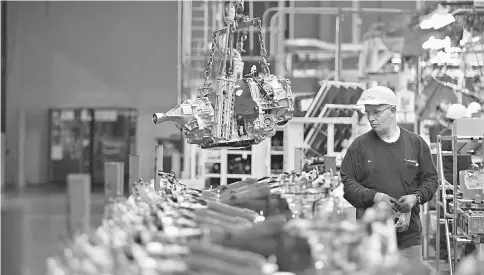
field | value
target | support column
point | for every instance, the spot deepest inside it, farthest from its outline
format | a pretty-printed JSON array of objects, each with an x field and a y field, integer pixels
[
  {"x": 356, "y": 23},
  {"x": 134, "y": 172},
  {"x": 292, "y": 4},
  {"x": 79, "y": 203},
  {"x": 298, "y": 159},
  {"x": 21, "y": 145},
  {"x": 3, "y": 81},
  {"x": 337, "y": 57},
  {"x": 330, "y": 139},
  {"x": 113, "y": 180},
  {"x": 158, "y": 165},
  {"x": 293, "y": 138}
]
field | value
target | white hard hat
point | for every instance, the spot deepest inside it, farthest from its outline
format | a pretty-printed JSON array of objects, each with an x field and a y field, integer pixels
[
  {"x": 456, "y": 111},
  {"x": 473, "y": 108},
  {"x": 376, "y": 96}
]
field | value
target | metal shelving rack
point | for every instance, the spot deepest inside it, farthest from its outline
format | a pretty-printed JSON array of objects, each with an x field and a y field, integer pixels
[
  {"x": 467, "y": 138},
  {"x": 223, "y": 176}
]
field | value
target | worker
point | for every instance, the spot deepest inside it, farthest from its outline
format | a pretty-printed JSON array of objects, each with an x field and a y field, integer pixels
[
  {"x": 389, "y": 164},
  {"x": 474, "y": 108},
  {"x": 440, "y": 122},
  {"x": 455, "y": 111}
]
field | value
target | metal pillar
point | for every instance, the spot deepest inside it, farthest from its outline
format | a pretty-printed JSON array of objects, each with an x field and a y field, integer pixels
[
  {"x": 292, "y": 4},
  {"x": 251, "y": 32},
  {"x": 179, "y": 52},
  {"x": 337, "y": 56},
  {"x": 3, "y": 88},
  {"x": 356, "y": 23}
]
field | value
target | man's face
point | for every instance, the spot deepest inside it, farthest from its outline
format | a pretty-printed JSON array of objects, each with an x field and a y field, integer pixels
[{"x": 380, "y": 116}]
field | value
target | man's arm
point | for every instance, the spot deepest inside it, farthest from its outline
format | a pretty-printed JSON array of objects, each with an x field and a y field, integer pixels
[
  {"x": 355, "y": 193},
  {"x": 428, "y": 174}
]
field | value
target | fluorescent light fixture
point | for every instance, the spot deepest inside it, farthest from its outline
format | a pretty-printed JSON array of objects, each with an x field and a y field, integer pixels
[{"x": 438, "y": 19}]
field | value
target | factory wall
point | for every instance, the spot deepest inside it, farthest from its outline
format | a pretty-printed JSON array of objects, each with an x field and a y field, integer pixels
[{"x": 64, "y": 54}]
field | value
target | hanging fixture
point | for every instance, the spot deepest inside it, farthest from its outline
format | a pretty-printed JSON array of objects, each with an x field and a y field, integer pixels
[{"x": 238, "y": 110}]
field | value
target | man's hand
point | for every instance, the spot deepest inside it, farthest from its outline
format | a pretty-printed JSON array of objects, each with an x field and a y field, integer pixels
[
  {"x": 382, "y": 197},
  {"x": 406, "y": 203}
]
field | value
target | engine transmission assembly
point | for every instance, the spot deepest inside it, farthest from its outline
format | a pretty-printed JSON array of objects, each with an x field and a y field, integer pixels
[{"x": 238, "y": 110}]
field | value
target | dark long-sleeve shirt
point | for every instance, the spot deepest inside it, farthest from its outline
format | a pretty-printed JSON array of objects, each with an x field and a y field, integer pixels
[
  {"x": 399, "y": 168},
  {"x": 463, "y": 162}
]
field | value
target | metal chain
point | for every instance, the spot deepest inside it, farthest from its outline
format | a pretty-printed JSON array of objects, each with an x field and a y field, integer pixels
[
  {"x": 208, "y": 70},
  {"x": 263, "y": 51},
  {"x": 232, "y": 105},
  {"x": 242, "y": 40},
  {"x": 217, "y": 44},
  {"x": 242, "y": 37}
]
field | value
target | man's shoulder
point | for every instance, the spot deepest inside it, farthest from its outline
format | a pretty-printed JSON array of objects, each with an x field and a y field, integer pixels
[
  {"x": 366, "y": 136},
  {"x": 363, "y": 139},
  {"x": 414, "y": 137},
  {"x": 409, "y": 134}
]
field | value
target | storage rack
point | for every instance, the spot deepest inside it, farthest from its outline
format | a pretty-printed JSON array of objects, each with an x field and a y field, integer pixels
[{"x": 467, "y": 138}]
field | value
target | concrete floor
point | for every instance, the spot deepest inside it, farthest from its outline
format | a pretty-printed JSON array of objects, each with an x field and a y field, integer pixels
[{"x": 45, "y": 224}]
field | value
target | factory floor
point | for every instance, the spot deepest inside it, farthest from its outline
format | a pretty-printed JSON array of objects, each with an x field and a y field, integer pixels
[
  {"x": 45, "y": 225},
  {"x": 45, "y": 222}
]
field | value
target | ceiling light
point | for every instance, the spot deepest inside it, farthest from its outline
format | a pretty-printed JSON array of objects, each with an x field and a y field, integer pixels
[
  {"x": 434, "y": 44},
  {"x": 438, "y": 19}
]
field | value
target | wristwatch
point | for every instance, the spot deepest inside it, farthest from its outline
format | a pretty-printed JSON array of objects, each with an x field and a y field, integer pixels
[{"x": 417, "y": 196}]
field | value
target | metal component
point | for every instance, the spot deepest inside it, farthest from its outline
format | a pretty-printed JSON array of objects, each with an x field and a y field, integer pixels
[
  {"x": 208, "y": 70},
  {"x": 466, "y": 215},
  {"x": 292, "y": 4},
  {"x": 242, "y": 37},
  {"x": 158, "y": 118},
  {"x": 205, "y": 21},
  {"x": 193, "y": 40},
  {"x": 251, "y": 40},
  {"x": 281, "y": 23},
  {"x": 245, "y": 58},
  {"x": 263, "y": 51},
  {"x": 356, "y": 23},
  {"x": 454, "y": 223},
  {"x": 477, "y": 10},
  {"x": 211, "y": 120},
  {"x": 424, "y": 209},
  {"x": 337, "y": 58},
  {"x": 329, "y": 109}
]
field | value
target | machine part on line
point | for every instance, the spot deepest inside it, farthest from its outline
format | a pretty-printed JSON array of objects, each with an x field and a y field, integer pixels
[{"x": 465, "y": 212}]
